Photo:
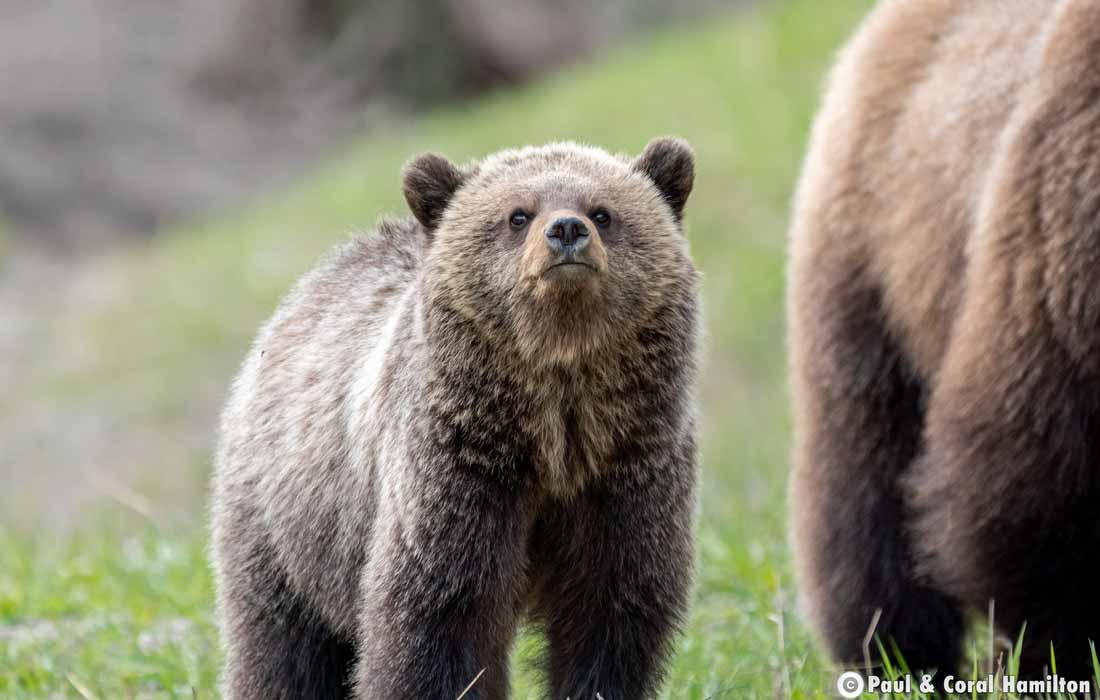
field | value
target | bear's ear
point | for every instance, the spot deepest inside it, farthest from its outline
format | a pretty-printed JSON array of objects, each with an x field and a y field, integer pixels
[
  {"x": 430, "y": 180},
  {"x": 670, "y": 163}
]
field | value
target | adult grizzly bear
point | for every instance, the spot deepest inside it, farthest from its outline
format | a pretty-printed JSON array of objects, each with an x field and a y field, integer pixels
[
  {"x": 944, "y": 314},
  {"x": 482, "y": 412}
]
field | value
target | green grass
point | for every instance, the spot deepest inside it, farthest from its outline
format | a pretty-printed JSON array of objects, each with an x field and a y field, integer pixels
[
  {"x": 106, "y": 617},
  {"x": 125, "y": 610}
]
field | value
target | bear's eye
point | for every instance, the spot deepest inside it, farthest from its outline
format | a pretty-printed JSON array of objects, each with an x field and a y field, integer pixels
[
  {"x": 601, "y": 217},
  {"x": 518, "y": 219}
]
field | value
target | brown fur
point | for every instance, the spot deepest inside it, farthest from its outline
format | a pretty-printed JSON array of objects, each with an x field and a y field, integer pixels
[
  {"x": 438, "y": 434},
  {"x": 944, "y": 314}
]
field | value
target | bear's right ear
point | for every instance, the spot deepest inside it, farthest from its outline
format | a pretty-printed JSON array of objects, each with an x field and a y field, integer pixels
[{"x": 430, "y": 180}]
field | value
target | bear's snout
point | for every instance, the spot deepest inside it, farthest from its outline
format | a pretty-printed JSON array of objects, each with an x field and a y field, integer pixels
[
  {"x": 569, "y": 246},
  {"x": 567, "y": 234}
]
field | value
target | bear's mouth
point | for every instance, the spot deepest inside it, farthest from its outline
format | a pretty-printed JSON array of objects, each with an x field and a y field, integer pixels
[{"x": 571, "y": 263}]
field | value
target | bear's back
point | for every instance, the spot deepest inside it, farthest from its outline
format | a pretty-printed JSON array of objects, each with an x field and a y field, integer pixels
[
  {"x": 917, "y": 110},
  {"x": 309, "y": 351},
  {"x": 289, "y": 420}
]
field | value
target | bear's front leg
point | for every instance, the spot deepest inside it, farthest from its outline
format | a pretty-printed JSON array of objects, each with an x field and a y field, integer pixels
[
  {"x": 614, "y": 571},
  {"x": 442, "y": 592}
]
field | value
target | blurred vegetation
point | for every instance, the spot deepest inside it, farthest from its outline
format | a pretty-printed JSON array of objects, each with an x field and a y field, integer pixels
[
  {"x": 424, "y": 51},
  {"x": 154, "y": 113},
  {"x": 124, "y": 609}
]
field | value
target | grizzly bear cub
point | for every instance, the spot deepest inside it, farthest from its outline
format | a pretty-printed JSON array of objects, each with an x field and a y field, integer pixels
[
  {"x": 476, "y": 415},
  {"x": 945, "y": 334}
]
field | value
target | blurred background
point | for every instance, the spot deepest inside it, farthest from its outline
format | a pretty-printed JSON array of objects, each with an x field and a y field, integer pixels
[
  {"x": 121, "y": 120},
  {"x": 169, "y": 167},
  {"x": 119, "y": 117}
]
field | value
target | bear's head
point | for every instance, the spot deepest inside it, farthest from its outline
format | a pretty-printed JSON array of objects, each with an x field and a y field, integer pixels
[{"x": 557, "y": 251}]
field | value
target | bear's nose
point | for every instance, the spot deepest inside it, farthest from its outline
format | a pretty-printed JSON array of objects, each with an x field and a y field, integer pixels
[{"x": 567, "y": 233}]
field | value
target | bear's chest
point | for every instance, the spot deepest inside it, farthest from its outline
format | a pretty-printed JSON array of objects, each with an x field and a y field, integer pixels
[{"x": 572, "y": 430}]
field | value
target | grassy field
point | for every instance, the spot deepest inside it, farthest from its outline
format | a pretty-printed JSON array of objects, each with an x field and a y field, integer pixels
[{"x": 122, "y": 606}]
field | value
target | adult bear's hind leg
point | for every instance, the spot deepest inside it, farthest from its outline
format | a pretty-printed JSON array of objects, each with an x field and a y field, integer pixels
[{"x": 859, "y": 418}]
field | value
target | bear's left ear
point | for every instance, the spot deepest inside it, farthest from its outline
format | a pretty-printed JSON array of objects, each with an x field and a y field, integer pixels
[
  {"x": 430, "y": 180},
  {"x": 670, "y": 163}
]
